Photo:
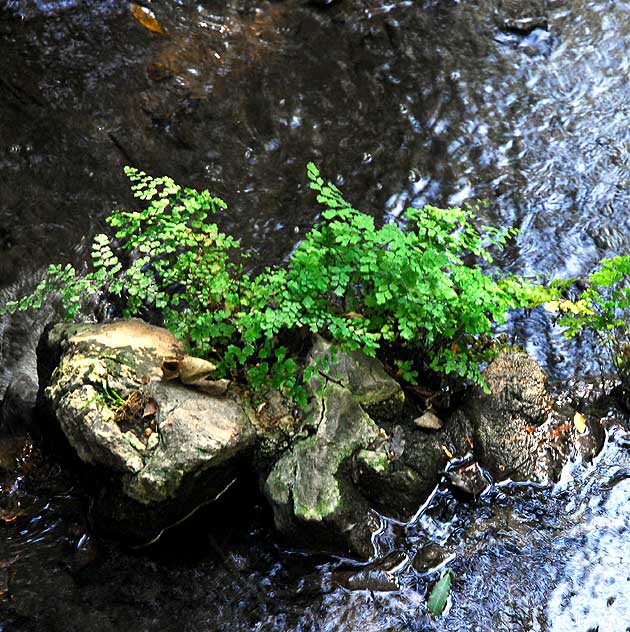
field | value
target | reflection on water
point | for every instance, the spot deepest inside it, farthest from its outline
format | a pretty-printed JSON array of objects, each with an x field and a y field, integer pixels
[
  {"x": 400, "y": 103},
  {"x": 522, "y": 558}
]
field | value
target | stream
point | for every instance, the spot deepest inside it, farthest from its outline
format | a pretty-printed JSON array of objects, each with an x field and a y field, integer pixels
[{"x": 400, "y": 103}]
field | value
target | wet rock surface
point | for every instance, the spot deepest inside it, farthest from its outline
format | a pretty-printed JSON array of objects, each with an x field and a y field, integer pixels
[
  {"x": 522, "y": 16},
  {"x": 356, "y": 457},
  {"x": 16, "y": 407},
  {"x": 517, "y": 431},
  {"x": 164, "y": 448},
  {"x": 310, "y": 487},
  {"x": 167, "y": 448},
  {"x": 411, "y": 103}
]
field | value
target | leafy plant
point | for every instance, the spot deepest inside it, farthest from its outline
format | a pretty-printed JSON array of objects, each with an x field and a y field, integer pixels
[
  {"x": 603, "y": 306},
  {"x": 406, "y": 292},
  {"x": 405, "y": 288}
]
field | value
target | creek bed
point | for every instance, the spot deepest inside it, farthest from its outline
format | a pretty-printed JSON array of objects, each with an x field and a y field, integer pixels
[{"x": 400, "y": 103}]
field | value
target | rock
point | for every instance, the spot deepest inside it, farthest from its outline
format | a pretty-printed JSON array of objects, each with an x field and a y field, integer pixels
[
  {"x": 156, "y": 449},
  {"x": 377, "y": 392},
  {"x": 515, "y": 431},
  {"x": 522, "y": 16},
  {"x": 468, "y": 479},
  {"x": 18, "y": 403},
  {"x": 429, "y": 421},
  {"x": 518, "y": 387},
  {"x": 310, "y": 487},
  {"x": 429, "y": 557},
  {"x": 325, "y": 486}
]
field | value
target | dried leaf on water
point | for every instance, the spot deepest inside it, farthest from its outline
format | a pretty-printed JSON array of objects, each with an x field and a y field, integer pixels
[
  {"x": 147, "y": 18},
  {"x": 579, "y": 422},
  {"x": 439, "y": 595}
]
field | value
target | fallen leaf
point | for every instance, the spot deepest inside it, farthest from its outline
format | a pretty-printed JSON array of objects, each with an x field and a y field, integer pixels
[
  {"x": 147, "y": 18},
  {"x": 446, "y": 451},
  {"x": 579, "y": 422},
  {"x": 439, "y": 595},
  {"x": 150, "y": 408},
  {"x": 170, "y": 369},
  {"x": 193, "y": 370}
]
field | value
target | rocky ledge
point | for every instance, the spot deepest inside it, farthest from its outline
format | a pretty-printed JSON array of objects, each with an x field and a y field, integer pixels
[{"x": 155, "y": 448}]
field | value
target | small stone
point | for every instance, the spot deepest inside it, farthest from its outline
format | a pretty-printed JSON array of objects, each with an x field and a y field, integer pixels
[
  {"x": 469, "y": 479},
  {"x": 134, "y": 441},
  {"x": 154, "y": 439},
  {"x": 429, "y": 420}
]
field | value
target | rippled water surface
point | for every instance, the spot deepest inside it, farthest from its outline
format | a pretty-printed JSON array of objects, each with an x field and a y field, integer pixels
[{"x": 400, "y": 103}]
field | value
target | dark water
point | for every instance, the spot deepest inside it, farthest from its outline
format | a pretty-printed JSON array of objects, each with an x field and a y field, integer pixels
[{"x": 400, "y": 103}]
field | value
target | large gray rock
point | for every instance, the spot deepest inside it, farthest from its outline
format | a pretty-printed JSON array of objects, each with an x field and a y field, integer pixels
[
  {"x": 370, "y": 385},
  {"x": 325, "y": 487},
  {"x": 163, "y": 447},
  {"x": 310, "y": 487}
]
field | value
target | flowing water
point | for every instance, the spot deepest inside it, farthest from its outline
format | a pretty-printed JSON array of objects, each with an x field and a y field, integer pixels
[{"x": 400, "y": 103}]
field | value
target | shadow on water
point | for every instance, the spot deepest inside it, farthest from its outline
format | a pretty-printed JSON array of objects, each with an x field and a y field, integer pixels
[{"x": 399, "y": 103}]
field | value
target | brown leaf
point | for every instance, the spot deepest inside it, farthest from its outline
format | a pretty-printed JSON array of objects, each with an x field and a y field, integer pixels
[
  {"x": 195, "y": 372},
  {"x": 192, "y": 370},
  {"x": 150, "y": 408},
  {"x": 429, "y": 420},
  {"x": 147, "y": 18}
]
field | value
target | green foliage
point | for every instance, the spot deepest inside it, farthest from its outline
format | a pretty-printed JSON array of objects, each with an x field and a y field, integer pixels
[
  {"x": 439, "y": 595},
  {"x": 372, "y": 288},
  {"x": 403, "y": 291},
  {"x": 603, "y": 307}
]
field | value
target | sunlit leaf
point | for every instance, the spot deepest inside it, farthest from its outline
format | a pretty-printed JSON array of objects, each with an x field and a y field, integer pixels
[
  {"x": 439, "y": 595},
  {"x": 579, "y": 422},
  {"x": 147, "y": 18}
]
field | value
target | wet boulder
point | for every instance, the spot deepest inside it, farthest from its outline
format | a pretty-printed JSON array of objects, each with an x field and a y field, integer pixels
[
  {"x": 16, "y": 408},
  {"x": 516, "y": 430},
  {"x": 522, "y": 16},
  {"x": 377, "y": 392},
  {"x": 310, "y": 487},
  {"x": 155, "y": 449},
  {"x": 352, "y": 458}
]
